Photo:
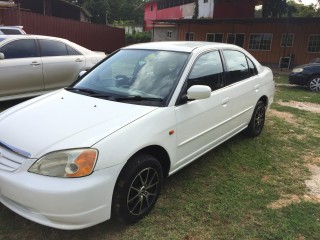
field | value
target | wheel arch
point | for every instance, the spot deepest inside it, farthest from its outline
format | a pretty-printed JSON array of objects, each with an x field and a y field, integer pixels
[
  {"x": 160, "y": 154},
  {"x": 264, "y": 99}
]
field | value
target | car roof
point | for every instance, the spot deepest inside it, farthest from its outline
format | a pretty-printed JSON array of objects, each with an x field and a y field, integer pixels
[
  {"x": 7, "y": 38},
  {"x": 26, "y": 36},
  {"x": 181, "y": 46}
]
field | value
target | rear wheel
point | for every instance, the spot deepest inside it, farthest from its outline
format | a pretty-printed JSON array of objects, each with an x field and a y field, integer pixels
[
  {"x": 257, "y": 120},
  {"x": 314, "y": 84},
  {"x": 137, "y": 188}
]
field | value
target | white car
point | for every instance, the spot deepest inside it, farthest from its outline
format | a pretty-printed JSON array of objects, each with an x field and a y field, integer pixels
[
  {"x": 11, "y": 30},
  {"x": 101, "y": 147},
  {"x": 32, "y": 65}
]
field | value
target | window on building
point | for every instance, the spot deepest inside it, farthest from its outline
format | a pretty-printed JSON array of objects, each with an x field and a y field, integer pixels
[
  {"x": 205, "y": 1},
  {"x": 151, "y": 8},
  {"x": 214, "y": 37},
  {"x": 314, "y": 43},
  {"x": 189, "y": 36},
  {"x": 287, "y": 40},
  {"x": 236, "y": 39},
  {"x": 260, "y": 41},
  {"x": 169, "y": 34}
]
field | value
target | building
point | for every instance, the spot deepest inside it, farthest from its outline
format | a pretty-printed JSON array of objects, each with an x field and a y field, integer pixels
[
  {"x": 196, "y": 9},
  {"x": 56, "y": 8},
  {"x": 283, "y": 42}
]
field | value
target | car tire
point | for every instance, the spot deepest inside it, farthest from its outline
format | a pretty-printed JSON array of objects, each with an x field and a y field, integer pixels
[
  {"x": 257, "y": 120},
  {"x": 314, "y": 84},
  {"x": 137, "y": 188}
]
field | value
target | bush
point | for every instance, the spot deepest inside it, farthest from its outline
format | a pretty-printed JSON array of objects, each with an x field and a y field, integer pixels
[{"x": 138, "y": 37}]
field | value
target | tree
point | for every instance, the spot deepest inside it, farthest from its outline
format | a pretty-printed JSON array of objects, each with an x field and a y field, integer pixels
[
  {"x": 274, "y": 8},
  {"x": 282, "y": 8},
  {"x": 113, "y": 10},
  {"x": 301, "y": 10}
]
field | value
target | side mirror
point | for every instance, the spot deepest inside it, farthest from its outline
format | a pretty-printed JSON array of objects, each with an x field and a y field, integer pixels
[
  {"x": 1, "y": 56},
  {"x": 81, "y": 74},
  {"x": 197, "y": 92}
]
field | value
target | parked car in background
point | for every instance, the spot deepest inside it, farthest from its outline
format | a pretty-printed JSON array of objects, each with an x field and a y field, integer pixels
[
  {"x": 31, "y": 65},
  {"x": 11, "y": 30},
  {"x": 102, "y": 146},
  {"x": 307, "y": 75}
]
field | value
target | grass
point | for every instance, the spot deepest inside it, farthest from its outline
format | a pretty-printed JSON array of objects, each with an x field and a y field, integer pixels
[{"x": 227, "y": 193}]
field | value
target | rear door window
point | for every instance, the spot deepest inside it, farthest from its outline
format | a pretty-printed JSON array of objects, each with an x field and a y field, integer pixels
[
  {"x": 51, "y": 48},
  {"x": 237, "y": 66}
]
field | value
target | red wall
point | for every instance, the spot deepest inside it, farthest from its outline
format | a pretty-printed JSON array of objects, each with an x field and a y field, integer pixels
[
  {"x": 95, "y": 37},
  {"x": 149, "y": 15},
  {"x": 233, "y": 9}
]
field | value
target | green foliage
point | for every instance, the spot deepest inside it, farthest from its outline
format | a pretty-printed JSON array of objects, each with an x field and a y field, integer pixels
[
  {"x": 196, "y": 10},
  {"x": 113, "y": 10},
  {"x": 301, "y": 10},
  {"x": 282, "y": 8},
  {"x": 138, "y": 37}
]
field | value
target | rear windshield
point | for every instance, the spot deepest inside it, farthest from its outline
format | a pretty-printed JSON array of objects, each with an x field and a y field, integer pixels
[{"x": 11, "y": 31}]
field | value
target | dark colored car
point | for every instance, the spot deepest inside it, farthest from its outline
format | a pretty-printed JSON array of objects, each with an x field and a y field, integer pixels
[{"x": 307, "y": 75}]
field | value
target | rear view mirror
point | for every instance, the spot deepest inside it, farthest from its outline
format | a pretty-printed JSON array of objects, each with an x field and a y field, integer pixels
[{"x": 1, "y": 56}]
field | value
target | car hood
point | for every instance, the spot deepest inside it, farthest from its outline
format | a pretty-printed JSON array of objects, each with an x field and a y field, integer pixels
[
  {"x": 64, "y": 120},
  {"x": 309, "y": 65}
]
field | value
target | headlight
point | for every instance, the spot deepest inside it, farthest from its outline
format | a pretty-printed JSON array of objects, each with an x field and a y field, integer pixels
[
  {"x": 66, "y": 163},
  {"x": 297, "y": 70}
]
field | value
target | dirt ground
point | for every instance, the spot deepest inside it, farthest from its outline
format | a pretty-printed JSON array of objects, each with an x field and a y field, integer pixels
[{"x": 312, "y": 162}]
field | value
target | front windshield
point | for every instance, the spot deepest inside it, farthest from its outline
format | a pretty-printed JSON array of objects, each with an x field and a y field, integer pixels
[{"x": 132, "y": 75}]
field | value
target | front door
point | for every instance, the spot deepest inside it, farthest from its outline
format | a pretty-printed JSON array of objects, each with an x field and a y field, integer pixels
[
  {"x": 203, "y": 124},
  {"x": 21, "y": 69}
]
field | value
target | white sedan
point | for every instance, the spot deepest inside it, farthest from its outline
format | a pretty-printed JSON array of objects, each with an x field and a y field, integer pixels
[
  {"x": 102, "y": 146},
  {"x": 32, "y": 65}
]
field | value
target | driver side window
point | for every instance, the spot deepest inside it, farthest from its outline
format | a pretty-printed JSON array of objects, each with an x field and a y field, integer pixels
[{"x": 207, "y": 70}]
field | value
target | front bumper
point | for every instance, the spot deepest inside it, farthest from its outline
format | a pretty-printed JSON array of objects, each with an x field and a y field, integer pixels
[
  {"x": 298, "y": 79},
  {"x": 62, "y": 203}
]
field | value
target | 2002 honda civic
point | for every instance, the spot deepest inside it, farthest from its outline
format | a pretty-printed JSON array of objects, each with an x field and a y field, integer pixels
[{"x": 101, "y": 147}]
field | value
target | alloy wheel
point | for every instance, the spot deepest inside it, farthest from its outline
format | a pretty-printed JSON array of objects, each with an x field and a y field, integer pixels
[{"x": 143, "y": 191}]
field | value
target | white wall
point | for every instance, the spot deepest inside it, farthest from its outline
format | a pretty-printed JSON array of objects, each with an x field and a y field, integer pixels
[{"x": 206, "y": 9}]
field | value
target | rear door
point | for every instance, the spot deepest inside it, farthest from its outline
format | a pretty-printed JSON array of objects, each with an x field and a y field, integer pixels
[
  {"x": 21, "y": 70},
  {"x": 243, "y": 84},
  {"x": 61, "y": 63}
]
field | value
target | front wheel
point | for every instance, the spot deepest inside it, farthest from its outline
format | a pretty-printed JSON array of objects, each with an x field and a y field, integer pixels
[
  {"x": 137, "y": 188},
  {"x": 314, "y": 84},
  {"x": 257, "y": 120}
]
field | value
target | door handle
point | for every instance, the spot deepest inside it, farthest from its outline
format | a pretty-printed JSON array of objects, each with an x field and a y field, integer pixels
[
  {"x": 225, "y": 102},
  {"x": 79, "y": 60},
  {"x": 35, "y": 64}
]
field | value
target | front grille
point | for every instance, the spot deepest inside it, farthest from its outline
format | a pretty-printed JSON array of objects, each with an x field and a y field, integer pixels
[{"x": 10, "y": 161}]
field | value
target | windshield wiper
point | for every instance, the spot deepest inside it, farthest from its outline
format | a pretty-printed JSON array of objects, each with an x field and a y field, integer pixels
[
  {"x": 91, "y": 93},
  {"x": 138, "y": 98},
  {"x": 84, "y": 90}
]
